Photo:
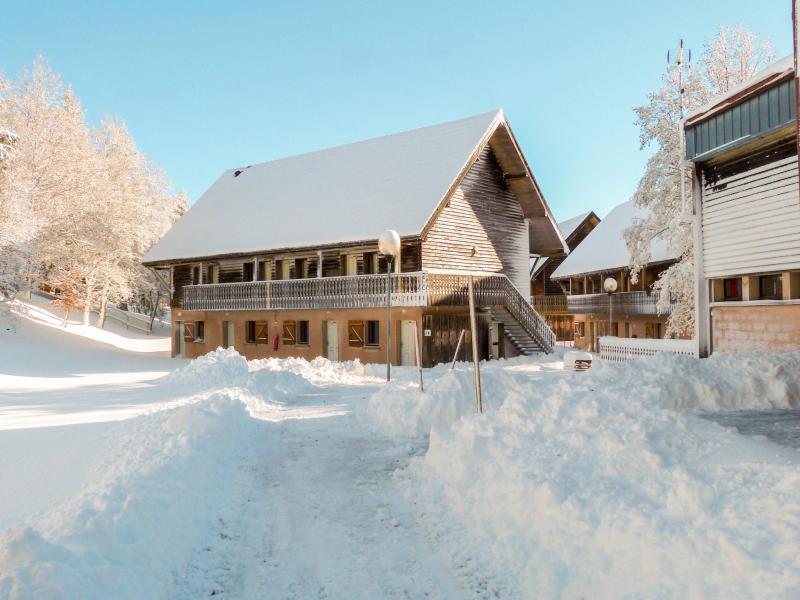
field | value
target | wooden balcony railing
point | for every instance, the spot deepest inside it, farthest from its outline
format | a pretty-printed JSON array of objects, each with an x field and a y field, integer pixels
[
  {"x": 556, "y": 303},
  {"x": 369, "y": 291},
  {"x": 625, "y": 303}
]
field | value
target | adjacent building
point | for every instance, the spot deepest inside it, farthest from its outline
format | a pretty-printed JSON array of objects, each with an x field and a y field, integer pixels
[
  {"x": 549, "y": 298},
  {"x": 281, "y": 258},
  {"x": 631, "y": 311},
  {"x": 747, "y": 236}
]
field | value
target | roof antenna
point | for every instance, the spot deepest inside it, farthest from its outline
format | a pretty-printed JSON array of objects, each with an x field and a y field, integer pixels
[{"x": 680, "y": 63}]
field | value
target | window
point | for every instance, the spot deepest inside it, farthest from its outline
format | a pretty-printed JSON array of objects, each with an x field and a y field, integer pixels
[
  {"x": 195, "y": 275},
  {"x": 247, "y": 271},
  {"x": 580, "y": 329},
  {"x": 199, "y": 331},
  {"x": 302, "y": 333},
  {"x": 369, "y": 263},
  {"x": 279, "y": 269},
  {"x": 652, "y": 330},
  {"x": 257, "y": 332},
  {"x": 373, "y": 333},
  {"x": 732, "y": 289},
  {"x": 262, "y": 270},
  {"x": 289, "y": 336},
  {"x": 770, "y": 287},
  {"x": 355, "y": 334},
  {"x": 300, "y": 267},
  {"x": 211, "y": 274}
]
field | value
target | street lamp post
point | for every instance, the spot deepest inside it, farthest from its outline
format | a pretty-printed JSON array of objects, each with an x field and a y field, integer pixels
[
  {"x": 389, "y": 246},
  {"x": 610, "y": 286}
]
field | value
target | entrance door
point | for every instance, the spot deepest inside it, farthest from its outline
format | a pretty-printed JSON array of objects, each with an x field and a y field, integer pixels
[
  {"x": 181, "y": 342},
  {"x": 332, "y": 340},
  {"x": 408, "y": 332},
  {"x": 227, "y": 334}
]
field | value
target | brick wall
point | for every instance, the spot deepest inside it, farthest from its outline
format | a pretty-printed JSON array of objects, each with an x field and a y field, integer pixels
[{"x": 755, "y": 328}]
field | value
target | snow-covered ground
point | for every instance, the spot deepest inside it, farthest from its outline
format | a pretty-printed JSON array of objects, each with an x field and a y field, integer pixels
[{"x": 130, "y": 475}]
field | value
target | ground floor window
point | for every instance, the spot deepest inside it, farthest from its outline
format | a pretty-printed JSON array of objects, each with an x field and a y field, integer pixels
[
  {"x": 580, "y": 329},
  {"x": 652, "y": 331},
  {"x": 302, "y": 333},
  {"x": 373, "y": 337},
  {"x": 289, "y": 336},
  {"x": 194, "y": 331},
  {"x": 732, "y": 289},
  {"x": 770, "y": 287},
  {"x": 257, "y": 332}
]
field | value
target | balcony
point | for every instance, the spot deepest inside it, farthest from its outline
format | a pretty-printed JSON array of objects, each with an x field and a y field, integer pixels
[
  {"x": 421, "y": 289},
  {"x": 625, "y": 304},
  {"x": 550, "y": 304}
]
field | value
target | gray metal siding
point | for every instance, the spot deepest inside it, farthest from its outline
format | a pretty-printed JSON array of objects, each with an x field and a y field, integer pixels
[
  {"x": 771, "y": 109},
  {"x": 751, "y": 220}
]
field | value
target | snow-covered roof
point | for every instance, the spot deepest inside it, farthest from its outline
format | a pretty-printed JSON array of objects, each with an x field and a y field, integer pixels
[
  {"x": 344, "y": 194},
  {"x": 776, "y": 70},
  {"x": 567, "y": 228},
  {"x": 604, "y": 248}
]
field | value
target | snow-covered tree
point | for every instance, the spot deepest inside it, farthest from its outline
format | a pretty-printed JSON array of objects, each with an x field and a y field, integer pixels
[
  {"x": 729, "y": 58},
  {"x": 75, "y": 202}
]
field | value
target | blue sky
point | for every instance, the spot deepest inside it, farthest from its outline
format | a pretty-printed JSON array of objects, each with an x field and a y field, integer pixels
[{"x": 205, "y": 86}]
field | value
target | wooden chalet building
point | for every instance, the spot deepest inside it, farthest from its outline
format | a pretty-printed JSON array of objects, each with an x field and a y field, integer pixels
[
  {"x": 281, "y": 258},
  {"x": 747, "y": 235},
  {"x": 603, "y": 254},
  {"x": 549, "y": 298}
]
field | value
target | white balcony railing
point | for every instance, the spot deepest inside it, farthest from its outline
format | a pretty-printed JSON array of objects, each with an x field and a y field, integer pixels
[{"x": 369, "y": 291}]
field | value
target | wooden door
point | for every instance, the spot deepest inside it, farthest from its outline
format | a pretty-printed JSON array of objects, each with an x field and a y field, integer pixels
[{"x": 407, "y": 335}]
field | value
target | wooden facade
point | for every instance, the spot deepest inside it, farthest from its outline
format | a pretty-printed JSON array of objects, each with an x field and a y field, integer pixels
[
  {"x": 632, "y": 311},
  {"x": 549, "y": 296},
  {"x": 485, "y": 227},
  {"x": 481, "y": 227}
]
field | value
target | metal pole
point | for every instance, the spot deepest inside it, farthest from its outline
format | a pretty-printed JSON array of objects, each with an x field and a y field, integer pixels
[
  {"x": 458, "y": 347},
  {"x": 610, "y": 312},
  {"x": 475, "y": 357},
  {"x": 416, "y": 352},
  {"x": 388, "y": 318}
]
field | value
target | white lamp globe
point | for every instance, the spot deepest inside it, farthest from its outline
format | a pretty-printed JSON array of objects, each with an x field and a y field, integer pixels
[
  {"x": 389, "y": 243},
  {"x": 610, "y": 285}
]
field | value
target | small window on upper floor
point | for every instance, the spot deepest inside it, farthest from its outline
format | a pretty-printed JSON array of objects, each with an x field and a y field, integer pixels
[{"x": 770, "y": 287}]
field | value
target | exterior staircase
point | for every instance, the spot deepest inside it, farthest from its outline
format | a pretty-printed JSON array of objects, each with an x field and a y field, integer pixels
[{"x": 516, "y": 334}]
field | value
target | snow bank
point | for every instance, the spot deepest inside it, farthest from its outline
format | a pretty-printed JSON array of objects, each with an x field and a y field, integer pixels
[
  {"x": 400, "y": 409},
  {"x": 721, "y": 382},
  {"x": 592, "y": 485},
  {"x": 129, "y": 531}
]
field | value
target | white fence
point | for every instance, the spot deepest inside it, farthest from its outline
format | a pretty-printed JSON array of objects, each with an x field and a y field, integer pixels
[{"x": 621, "y": 349}]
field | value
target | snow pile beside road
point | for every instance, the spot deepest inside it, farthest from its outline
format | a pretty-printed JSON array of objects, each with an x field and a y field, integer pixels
[
  {"x": 319, "y": 371},
  {"x": 721, "y": 382},
  {"x": 220, "y": 368},
  {"x": 400, "y": 409},
  {"x": 134, "y": 525},
  {"x": 590, "y": 485}
]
